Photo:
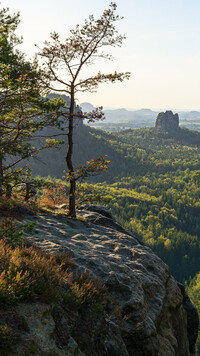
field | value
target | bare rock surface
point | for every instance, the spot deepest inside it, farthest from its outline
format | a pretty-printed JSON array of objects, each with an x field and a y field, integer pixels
[
  {"x": 192, "y": 319},
  {"x": 38, "y": 332},
  {"x": 167, "y": 122},
  {"x": 147, "y": 312}
]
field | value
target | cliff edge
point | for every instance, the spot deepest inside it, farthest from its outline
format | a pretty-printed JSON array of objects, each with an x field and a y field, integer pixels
[{"x": 146, "y": 316}]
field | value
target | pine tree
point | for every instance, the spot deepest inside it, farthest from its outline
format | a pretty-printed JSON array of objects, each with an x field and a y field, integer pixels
[
  {"x": 65, "y": 63},
  {"x": 22, "y": 109}
]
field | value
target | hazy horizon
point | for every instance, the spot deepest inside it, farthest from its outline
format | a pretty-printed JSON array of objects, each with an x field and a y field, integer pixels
[
  {"x": 145, "y": 108},
  {"x": 161, "y": 51}
]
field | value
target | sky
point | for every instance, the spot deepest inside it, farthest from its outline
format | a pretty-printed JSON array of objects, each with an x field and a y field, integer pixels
[{"x": 161, "y": 50}]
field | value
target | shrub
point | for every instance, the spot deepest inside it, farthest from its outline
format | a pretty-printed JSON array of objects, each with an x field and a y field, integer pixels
[
  {"x": 12, "y": 231},
  {"x": 27, "y": 274},
  {"x": 52, "y": 196},
  {"x": 87, "y": 291},
  {"x": 6, "y": 336}
]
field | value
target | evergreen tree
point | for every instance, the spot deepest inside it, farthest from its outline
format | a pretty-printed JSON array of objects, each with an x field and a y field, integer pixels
[
  {"x": 67, "y": 60},
  {"x": 22, "y": 110}
]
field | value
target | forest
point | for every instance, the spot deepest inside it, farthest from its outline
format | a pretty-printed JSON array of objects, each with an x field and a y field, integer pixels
[{"x": 152, "y": 185}]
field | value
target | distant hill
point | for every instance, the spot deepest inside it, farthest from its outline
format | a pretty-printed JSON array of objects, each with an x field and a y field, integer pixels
[
  {"x": 144, "y": 114},
  {"x": 123, "y": 149},
  {"x": 129, "y": 115},
  {"x": 190, "y": 115},
  {"x": 123, "y": 119},
  {"x": 122, "y": 113},
  {"x": 87, "y": 107}
]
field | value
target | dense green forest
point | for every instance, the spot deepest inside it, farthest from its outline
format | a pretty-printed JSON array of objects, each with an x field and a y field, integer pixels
[{"x": 152, "y": 187}]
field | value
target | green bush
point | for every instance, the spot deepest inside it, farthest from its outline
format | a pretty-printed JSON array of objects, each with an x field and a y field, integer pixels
[
  {"x": 86, "y": 291},
  {"x": 27, "y": 274},
  {"x": 13, "y": 232},
  {"x": 6, "y": 336}
]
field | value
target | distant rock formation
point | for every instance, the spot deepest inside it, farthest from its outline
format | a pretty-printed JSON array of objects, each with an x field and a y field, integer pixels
[
  {"x": 78, "y": 120},
  {"x": 167, "y": 122}
]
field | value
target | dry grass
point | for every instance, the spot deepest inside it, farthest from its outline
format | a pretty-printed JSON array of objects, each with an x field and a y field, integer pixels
[
  {"x": 86, "y": 291},
  {"x": 16, "y": 207},
  {"x": 27, "y": 274},
  {"x": 50, "y": 197},
  {"x": 46, "y": 198}
]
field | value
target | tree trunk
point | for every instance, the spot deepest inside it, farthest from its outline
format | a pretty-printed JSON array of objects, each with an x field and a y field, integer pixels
[
  {"x": 1, "y": 177},
  {"x": 8, "y": 190},
  {"x": 72, "y": 181},
  {"x": 28, "y": 188}
]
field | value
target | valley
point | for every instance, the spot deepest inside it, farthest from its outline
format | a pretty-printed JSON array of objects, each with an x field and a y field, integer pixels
[{"x": 152, "y": 187}]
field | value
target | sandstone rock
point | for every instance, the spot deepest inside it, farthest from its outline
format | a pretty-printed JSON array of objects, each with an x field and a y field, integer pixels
[
  {"x": 72, "y": 348},
  {"x": 167, "y": 122},
  {"x": 40, "y": 337},
  {"x": 46, "y": 331},
  {"x": 61, "y": 206},
  {"x": 192, "y": 319},
  {"x": 147, "y": 314},
  {"x": 100, "y": 215}
]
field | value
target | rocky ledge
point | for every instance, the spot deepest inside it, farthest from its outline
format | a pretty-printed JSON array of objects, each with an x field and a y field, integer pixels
[{"x": 147, "y": 316}]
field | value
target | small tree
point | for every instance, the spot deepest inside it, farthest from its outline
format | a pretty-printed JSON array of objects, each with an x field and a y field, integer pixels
[
  {"x": 22, "y": 110},
  {"x": 65, "y": 62}
]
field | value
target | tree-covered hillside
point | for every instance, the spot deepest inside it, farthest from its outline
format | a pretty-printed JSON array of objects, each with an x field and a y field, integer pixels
[
  {"x": 153, "y": 183},
  {"x": 131, "y": 152}
]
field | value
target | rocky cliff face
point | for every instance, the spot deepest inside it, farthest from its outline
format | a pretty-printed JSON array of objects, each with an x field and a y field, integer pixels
[
  {"x": 146, "y": 317},
  {"x": 78, "y": 121},
  {"x": 167, "y": 122}
]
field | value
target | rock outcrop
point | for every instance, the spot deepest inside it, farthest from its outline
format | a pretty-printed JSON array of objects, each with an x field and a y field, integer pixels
[
  {"x": 192, "y": 319},
  {"x": 146, "y": 317},
  {"x": 78, "y": 121},
  {"x": 167, "y": 122}
]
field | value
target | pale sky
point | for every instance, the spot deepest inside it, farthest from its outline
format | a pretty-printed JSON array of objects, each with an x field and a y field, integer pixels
[{"x": 162, "y": 49}]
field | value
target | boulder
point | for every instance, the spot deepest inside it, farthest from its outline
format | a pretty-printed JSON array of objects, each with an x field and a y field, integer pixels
[
  {"x": 192, "y": 319},
  {"x": 147, "y": 316}
]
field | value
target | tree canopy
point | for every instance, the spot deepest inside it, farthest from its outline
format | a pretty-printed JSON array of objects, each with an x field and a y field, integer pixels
[
  {"x": 23, "y": 111},
  {"x": 65, "y": 62}
]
